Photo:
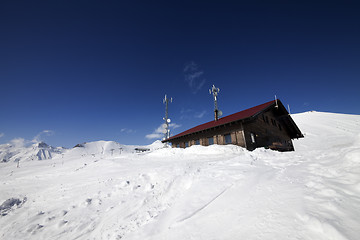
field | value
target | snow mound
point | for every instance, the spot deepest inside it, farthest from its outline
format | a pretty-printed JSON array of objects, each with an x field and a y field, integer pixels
[{"x": 156, "y": 145}]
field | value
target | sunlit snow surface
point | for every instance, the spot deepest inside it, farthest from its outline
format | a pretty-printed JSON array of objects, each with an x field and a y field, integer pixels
[{"x": 105, "y": 190}]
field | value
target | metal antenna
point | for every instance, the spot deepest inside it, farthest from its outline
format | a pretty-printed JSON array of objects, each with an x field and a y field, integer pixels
[
  {"x": 166, "y": 118},
  {"x": 289, "y": 109},
  {"x": 215, "y": 91}
]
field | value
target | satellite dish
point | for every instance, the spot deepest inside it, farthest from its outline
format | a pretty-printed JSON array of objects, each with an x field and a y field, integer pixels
[
  {"x": 164, "y": 125},
  {"x": 164, "y": 131},
  {"x": 168, "y": 121},
  {"x": 220, "y": 113}
]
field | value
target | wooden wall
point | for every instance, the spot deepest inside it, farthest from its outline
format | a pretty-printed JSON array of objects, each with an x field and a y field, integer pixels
[
  {"x": 267, "y": 132},
  {"x": 235, "y": 129}
]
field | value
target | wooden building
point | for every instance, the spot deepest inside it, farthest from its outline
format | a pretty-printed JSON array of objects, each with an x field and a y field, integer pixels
[{"x": 268, "y": 125}]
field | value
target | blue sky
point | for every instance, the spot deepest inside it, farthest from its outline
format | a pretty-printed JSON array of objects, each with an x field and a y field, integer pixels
[{"x": 79, "y": 71}]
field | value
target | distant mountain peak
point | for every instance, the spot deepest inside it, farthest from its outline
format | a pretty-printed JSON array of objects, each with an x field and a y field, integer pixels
[{"x": 42, "y": 145}]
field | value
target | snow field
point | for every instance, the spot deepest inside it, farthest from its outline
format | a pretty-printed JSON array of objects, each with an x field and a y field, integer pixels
[{"x": 218, "y": 192}]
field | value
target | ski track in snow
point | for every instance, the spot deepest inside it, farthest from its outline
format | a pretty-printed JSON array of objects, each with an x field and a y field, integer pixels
[{"x": 104, "y": 190}]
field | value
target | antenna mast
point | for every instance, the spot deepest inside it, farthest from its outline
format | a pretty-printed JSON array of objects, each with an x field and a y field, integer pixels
[
  {"x": 166, "y": 118},
  {"x": 215, "y": 91},
  {"x": 289, "y": 109},
  {"x": 276, "y": 103}
]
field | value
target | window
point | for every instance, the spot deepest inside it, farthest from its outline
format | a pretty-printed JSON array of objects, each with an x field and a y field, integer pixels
[
  {"x": 280, "y": 127},
  {"x": 227, "y": 138},
  {"x": 186, "y": 144},
  {"x": 211, "y": 140},
  {"x": 197, "y": 142},
  {"x": 267, "y": 119},
  {"x": 178, "y": 145},
  {"x": 252, "y": 137}
]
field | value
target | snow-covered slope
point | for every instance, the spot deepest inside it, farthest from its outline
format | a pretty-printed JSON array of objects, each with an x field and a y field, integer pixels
[{"x": 218, "y": 192}]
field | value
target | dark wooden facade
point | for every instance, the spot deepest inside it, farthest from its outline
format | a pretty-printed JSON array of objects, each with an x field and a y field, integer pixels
[{"x": 268, "y": 125}]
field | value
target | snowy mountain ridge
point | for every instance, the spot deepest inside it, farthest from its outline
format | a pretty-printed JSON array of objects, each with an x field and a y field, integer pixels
[
  {"x": 41, "y": 151},
  {"x": 214, "y": 192},
  {"x": 35, "y": 151}
]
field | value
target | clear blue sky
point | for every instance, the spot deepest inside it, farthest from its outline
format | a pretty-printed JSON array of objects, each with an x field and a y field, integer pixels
[{"x": 98, "y": 70}]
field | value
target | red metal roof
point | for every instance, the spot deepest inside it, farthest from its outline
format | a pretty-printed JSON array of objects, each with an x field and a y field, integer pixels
[{"x": 231, "y": 118}]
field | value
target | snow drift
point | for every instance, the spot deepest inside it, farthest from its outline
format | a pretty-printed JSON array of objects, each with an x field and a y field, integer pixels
[{"x": 105, "y": 190}]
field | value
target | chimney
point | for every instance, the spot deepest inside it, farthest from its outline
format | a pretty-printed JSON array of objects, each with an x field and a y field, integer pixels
[{"x": 216, "y": 114}]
